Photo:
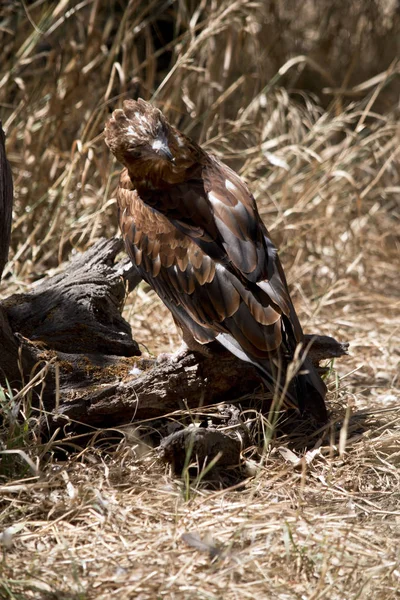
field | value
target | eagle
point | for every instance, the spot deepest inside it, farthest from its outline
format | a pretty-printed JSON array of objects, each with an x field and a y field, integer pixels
[{"x": 192, "y": 228}]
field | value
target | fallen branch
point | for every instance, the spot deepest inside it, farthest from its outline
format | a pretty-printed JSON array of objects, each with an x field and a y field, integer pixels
[
  {"x": 77, "y": 312},
  {"x": 163, "y": 388}
]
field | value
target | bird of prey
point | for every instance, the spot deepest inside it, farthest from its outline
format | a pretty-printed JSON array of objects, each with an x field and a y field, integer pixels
[{"x": 192, "y": 228}]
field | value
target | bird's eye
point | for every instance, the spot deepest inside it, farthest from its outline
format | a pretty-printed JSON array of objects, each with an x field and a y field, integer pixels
[{"x": 134, "y": 152}]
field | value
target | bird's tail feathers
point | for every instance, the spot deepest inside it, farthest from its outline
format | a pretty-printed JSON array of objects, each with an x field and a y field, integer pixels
[
  {"x": 296, "y": 382},
  {"x": 270, "y": 371}
]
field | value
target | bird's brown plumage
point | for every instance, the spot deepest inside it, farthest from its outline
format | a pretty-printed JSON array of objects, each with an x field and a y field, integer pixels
[{"x": 192, "y": 228}]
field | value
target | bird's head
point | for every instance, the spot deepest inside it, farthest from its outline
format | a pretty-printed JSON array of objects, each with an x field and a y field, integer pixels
[{"x": 139, "y": 132}]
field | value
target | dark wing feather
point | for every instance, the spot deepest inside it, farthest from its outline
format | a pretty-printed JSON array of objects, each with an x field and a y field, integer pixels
[{"x": 215, "y": 209}]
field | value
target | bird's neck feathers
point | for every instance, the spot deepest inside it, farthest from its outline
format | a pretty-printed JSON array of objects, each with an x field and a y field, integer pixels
[{"x": 153, "y": 173}]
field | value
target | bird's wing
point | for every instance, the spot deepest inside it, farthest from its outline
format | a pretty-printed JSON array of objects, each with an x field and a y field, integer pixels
[
  {"x": 206, "y": 296},
  {"x": 215, "y": 209}
]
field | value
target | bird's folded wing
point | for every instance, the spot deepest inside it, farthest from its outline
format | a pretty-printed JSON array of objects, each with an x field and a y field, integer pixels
[
  {"x": 217, "y": 212},
  {"x": 206, "y": 296}
]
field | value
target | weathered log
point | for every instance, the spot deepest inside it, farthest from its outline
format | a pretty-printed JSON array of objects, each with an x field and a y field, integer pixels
[
  {"x": 79, "y": 310},
  {"x": 192, "y": 381},
  {"x": 6, "y": 202}
]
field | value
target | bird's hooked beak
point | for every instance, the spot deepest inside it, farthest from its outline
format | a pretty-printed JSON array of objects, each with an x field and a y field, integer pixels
[{"x": 161, "y": 148}]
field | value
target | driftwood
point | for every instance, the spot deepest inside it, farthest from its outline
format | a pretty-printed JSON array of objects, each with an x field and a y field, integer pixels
[{"x": 68, "y": 338}]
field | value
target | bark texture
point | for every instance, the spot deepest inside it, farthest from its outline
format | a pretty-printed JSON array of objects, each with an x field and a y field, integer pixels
[
  {"x": 79, "y": 310},
  {"x": 72, "y": 319},
  {"x": 160, "y": 389}
]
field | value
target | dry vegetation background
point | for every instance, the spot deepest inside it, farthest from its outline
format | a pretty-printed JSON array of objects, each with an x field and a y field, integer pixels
[{"x": 302, "y": 98}]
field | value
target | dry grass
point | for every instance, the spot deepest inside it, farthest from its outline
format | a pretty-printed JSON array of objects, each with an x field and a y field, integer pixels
[
  {"x": 98, "y": 526},
  {"x": 325, "y": 170}
]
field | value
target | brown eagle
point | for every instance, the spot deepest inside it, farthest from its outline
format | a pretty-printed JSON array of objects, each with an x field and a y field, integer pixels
[{"x": 192, "y": 228}]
